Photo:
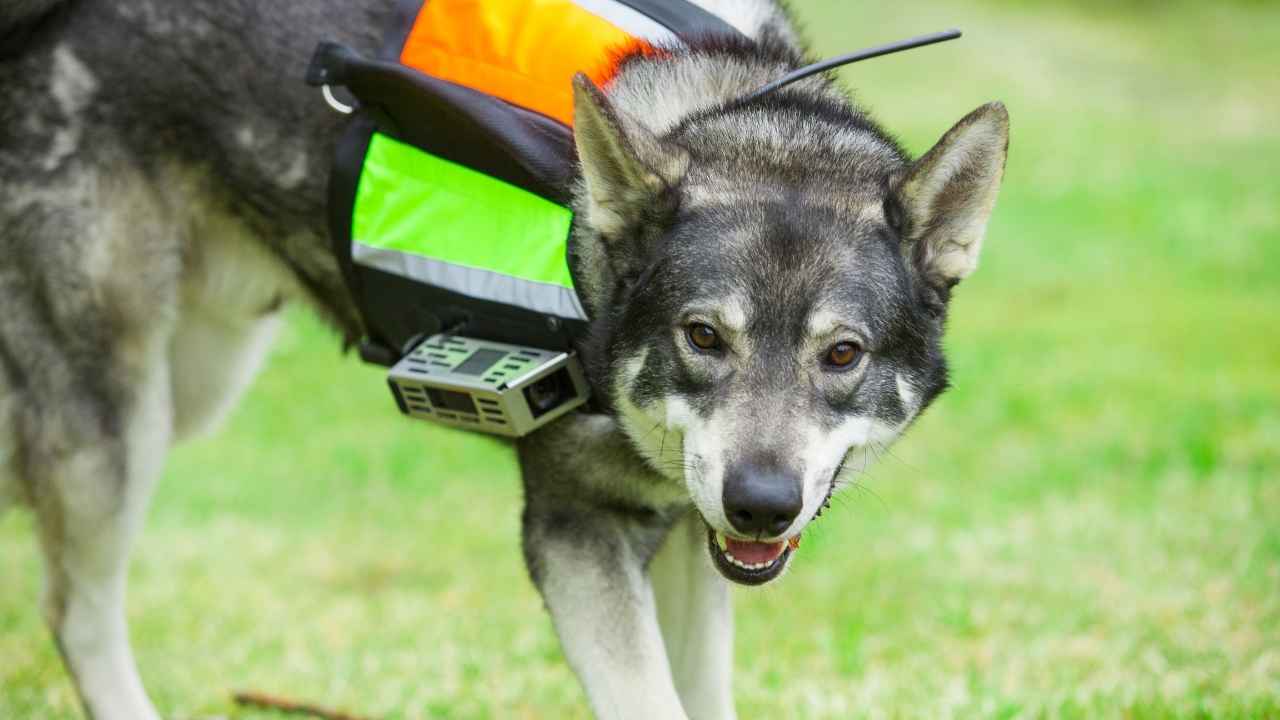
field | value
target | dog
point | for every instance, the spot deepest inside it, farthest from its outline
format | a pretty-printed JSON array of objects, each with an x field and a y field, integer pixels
[{"x": 767, "y": 284}]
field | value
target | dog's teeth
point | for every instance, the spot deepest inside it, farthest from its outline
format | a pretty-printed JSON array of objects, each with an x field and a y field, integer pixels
[{"x": 745, "y": 566}]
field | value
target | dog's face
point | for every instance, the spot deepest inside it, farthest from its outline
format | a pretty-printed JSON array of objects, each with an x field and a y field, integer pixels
[{"x": 771, "y": 315}]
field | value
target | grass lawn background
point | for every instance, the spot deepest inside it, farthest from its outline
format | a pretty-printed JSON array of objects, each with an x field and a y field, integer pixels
[{"x": 1087, "y": 525}]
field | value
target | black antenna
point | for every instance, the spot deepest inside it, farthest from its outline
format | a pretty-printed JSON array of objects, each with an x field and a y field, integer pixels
[{"x": 854, "y": 57}]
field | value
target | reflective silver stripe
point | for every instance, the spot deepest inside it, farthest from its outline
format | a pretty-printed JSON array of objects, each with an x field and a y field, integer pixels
[
  {"x": 629, "y": 21},
  {"x": 473, "y": 282}
]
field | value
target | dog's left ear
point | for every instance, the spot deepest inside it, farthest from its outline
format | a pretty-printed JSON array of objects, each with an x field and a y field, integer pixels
[{"x": 948, "y": 194}]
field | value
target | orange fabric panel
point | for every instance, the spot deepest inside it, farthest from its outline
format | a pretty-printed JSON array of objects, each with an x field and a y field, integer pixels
[{"x": 523, "y": 51}]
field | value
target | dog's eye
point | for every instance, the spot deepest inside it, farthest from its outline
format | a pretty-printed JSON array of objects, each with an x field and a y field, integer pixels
[
  {"x": 844, "y": 355},
  {"x": 702, "y": 336}
]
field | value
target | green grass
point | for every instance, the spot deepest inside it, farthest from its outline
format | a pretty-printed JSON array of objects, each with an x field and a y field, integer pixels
[{"x": 1087, "y": 525}]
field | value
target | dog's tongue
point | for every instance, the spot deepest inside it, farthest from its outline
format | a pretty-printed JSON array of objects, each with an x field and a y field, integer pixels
[{"x": 753, "y": 552}]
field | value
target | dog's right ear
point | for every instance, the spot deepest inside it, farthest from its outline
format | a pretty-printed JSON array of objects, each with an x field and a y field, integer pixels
[
  {"x": 623, "y": 165},
  {"x": 628, "y": 178}
]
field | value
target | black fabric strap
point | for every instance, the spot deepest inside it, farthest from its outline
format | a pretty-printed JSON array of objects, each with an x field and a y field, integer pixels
[
  {"x": 405, "y": 310},
  {"x": 343, "y": 179},
  {"x": 680, "y": 17}
]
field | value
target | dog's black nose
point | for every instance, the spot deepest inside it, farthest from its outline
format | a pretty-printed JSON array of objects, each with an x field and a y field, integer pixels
[{"x": 760, "y": 499}]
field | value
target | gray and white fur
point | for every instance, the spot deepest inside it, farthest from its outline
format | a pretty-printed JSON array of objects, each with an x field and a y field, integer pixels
[{"x": 162, "y": 175}]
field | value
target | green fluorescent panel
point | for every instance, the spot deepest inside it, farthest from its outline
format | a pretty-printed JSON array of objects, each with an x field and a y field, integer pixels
[{"x": 414, "y": 202}]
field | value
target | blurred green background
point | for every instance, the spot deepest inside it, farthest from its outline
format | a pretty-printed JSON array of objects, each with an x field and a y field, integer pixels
[{"x": 1088, "y": 525}]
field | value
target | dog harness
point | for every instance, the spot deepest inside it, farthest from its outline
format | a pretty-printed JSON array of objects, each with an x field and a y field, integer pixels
[{"x": 450, "y": 191}]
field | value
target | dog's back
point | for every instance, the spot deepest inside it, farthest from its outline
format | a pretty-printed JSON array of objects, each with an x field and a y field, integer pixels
[{"x": 157, "y": 160}]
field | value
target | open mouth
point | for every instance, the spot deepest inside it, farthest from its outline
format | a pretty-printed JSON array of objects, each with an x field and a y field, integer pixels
[{"x": 747, "y": 562}]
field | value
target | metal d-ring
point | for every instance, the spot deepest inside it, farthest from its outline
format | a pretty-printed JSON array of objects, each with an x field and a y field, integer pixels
[{"x": 334, "y": 102}]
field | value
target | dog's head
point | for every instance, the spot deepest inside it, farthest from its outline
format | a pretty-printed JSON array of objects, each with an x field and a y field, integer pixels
[{"x": 768, "y": 286}]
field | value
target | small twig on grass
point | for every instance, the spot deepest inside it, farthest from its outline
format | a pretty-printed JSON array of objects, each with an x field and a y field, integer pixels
[{"x": 262, "y": 700}]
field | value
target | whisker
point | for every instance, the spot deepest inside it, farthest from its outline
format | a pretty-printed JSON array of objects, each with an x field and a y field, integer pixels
[
  {"x": 867, "y": 489},
  {"x": 888, "y": 451}
]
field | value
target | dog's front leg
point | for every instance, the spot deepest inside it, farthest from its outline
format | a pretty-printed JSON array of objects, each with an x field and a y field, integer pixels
[
  {"x": 591, "y": 576},
  {"x": 696, "y": 617},
  {"x": 89, "y": 501}
]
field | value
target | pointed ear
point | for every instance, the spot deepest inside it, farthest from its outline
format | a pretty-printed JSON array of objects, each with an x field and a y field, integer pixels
[
  {"x": 947, "y": 195},
  {"x": 624, "y": 167}
]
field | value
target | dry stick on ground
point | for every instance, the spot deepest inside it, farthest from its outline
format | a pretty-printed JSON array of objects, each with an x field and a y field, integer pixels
[{"x": 262, "y": 700}]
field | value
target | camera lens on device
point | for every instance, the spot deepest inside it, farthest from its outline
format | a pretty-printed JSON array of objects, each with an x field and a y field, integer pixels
[
  {"x": 544, "y": 394},
  {"x": 549, "y": 393}
]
